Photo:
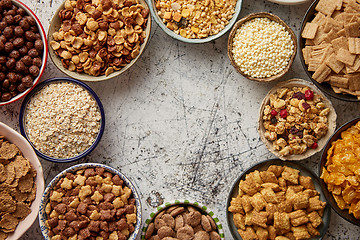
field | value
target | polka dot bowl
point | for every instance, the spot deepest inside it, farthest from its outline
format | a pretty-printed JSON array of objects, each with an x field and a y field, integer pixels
[
  {"x": 45, "y": 197},
  {"x": 201, "y": 208},
  {"x": 274, "y": 18}
]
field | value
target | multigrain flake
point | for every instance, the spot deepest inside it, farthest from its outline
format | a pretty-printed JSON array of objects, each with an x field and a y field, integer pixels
[{"x": 62, "y": 120}]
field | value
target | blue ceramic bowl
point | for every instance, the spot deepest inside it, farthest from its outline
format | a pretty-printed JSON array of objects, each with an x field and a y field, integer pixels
[
  {"x": 73, "y": 169},
  {"x": 38, "y": 88},
  {"x": 159, "y": 21}
]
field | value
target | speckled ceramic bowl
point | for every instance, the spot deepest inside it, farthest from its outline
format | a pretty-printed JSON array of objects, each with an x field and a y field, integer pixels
[
  {"x": 14, "y": 137},
  {"x": 321, "y": 143},
  {"x": 22, "y": 122},
  {"x": 44, "y": 56},
  {"x": 172, "y": 34},
  {"x": 73, "y": 169},
  {"x": 203, "y": 209}
]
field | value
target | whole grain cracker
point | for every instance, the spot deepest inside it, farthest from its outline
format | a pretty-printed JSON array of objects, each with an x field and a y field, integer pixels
[
  {"x": 10, "y": 173},
  {"x": 326, "y": 7},
  {"x": 7, "y": 205},
  {"x": 334, "y": 64},
  {"x": 32, "y": 194},
  {"x": 321, "y": 73},
  {"x": 310, "y": 30},
  {"x": 338, "y": 81},
  {"x": 343, "y": 55},
  {"x": 3, "y": 235},
  {"x": 2, "y": 173}
]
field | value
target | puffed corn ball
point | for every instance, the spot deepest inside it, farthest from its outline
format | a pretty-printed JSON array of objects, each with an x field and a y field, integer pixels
[{"x": 262, "y": 47}]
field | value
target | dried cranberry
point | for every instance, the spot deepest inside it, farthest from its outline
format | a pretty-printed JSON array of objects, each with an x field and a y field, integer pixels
[
  {"x": 305, "y": 105},
  {"x": 294, "y": 130},
  {"x": 273, "y": 113},
  {"x": 309, "y": 95},
  {"x": 283, "y": 113},
  {"x": 273, "y": 120},
  {"x": 299, "y": 95},
  {"x": 314, "y": 145},
  {"x": 300, "y": 134}
]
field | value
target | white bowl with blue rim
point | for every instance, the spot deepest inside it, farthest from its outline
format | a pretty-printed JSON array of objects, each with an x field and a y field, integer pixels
[
  {"x": 159, "y": 21},
  {"x": 51, "y": 186},
  {"x": 201, "y": 208},
  {"x": 40, "y": 86}
]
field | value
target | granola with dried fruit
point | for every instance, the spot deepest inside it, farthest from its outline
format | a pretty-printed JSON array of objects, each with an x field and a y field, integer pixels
[{"x": 295, "y": 119}]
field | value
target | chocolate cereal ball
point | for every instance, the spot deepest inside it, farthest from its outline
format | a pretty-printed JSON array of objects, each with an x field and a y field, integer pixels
[
  {"x": 34, "y": 70},
  {"x": 8, "y": 32},
  {"x": 39, "y": 45},
  {"x": 27, "y": 60},
  {"x": 19, "y": 32},
  {"x": 20, "y": 66},
  {"x": 33, "y": 53},
  {"x": 11, "y": 62},
  {"x": 18, "y": 42},
  {"x": 37, "y": 62},
  {"x": 14, "y": 54},
  {"x": 27, "y": 81}
]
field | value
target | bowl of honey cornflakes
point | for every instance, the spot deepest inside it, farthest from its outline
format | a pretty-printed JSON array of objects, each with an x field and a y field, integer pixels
[{"x": 339, "y": 171}]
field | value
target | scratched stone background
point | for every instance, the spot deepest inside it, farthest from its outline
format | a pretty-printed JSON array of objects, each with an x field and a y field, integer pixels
[{"x": 181, "y": 123}]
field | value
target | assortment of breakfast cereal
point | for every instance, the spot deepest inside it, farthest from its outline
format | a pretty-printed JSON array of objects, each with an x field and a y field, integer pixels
[{"x": 63, "y": 120}]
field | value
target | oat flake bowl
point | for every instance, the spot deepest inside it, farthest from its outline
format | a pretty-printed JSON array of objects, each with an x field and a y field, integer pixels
[
  {"x": 101, "y": 41},
  {"x": 112, "y": 202},
  {"x": 295, "y": 120},
  {"x": 261, "y": 47},
  {"x": 168, "y": 221},
  {"x": 37, "y": 189},
  {"x": 63, "y": 119},
  {"x": 24, "y": 59},
  {"x": 194, "y": 21}
]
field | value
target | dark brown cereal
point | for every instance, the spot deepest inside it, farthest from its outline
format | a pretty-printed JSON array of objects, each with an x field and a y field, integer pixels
[
  {"x": 20, "y": 45},
  {"x": 97, "y": 209}
]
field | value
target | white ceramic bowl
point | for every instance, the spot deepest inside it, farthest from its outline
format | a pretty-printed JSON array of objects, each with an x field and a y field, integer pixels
[
  {"x": 29, "y": 153},
  {"x": 172, "y": 34},
  {"x": 45, "y": 51},
  {"x": 55, "y": 25},
  {"x": 73, "y": 169}
]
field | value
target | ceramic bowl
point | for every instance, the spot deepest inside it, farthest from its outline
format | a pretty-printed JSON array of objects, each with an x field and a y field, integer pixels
[
  {"x": 172, "y": 34},
  {"x": 321, "y": 143},
  {"x": 261, "y": 166},
  {"x": 337, "y": 135},
  {"x": 45, "y": 52},
  {"x": 22, "y": 116},
  {"x": 248, "y": 18},
  {"x": 55, "y": 25},
  {"x": 325, "y": 87},
  {"x": 28, "y": 152},
  {"x": 45, "y": 197},
  {"x": 203, "y": 209}
]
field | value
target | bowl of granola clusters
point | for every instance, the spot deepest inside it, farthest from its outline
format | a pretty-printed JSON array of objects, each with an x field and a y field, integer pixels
[
  {"x": 194, "y": 21},
  {"x": 88, "y": 200},
  {"x": 296, "y": 120},
  {"x": 99, "y": 40},
  {"x": 22, "y": 184},
  {"x": 63, "y": 119}
]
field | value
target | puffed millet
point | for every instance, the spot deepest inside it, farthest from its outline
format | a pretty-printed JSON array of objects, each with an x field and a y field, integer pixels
[
  {"x": 62, "y": 120},
  {"x": 262, "y": 47}
]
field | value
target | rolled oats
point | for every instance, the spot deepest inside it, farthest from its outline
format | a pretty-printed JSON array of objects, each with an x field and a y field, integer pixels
[
  {"x": 91, "y": 27},
  {"x": 295, "y": 119},
  {"x": 62, "y": 120}
]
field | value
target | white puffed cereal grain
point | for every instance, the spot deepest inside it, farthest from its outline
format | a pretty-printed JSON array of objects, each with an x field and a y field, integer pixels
[
  {"x": 262, "y": 47},
  {"x": 62, "y": 120}
]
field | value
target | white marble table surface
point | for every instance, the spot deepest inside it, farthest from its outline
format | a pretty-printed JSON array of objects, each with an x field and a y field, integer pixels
[{"x": 181, "y": 123}]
